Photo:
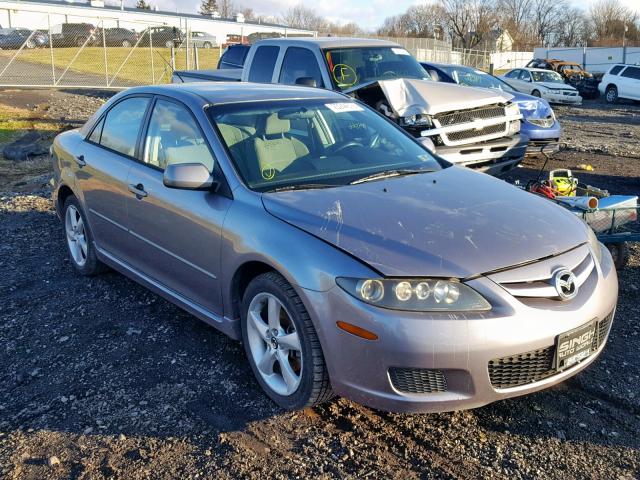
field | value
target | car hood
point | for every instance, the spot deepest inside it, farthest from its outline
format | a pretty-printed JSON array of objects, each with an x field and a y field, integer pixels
[
  {"x": 408, "y": 97},
  {"x": 556, "y": 86},
  {"x": 452, "y": 223}
]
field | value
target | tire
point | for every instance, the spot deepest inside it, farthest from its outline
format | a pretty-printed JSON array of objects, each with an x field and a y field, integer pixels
[
  {"x": 80, "y": 41},
  {"x": 620, "y": 254},
  {"x": 30, "y": 44},
  {"x": 126, "y": 43},
  {"x": 309, "y": 383},
  {"x": 611, "y": 95},
  {"x": 206, "y": 45},
  {"x": 169, "y": 43},
  {"x": 536, "y": 93},
  {"x": 85, "y": 263}
]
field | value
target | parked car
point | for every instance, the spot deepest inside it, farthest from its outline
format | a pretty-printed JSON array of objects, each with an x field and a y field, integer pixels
[
  {"x": 621, "y": 81},
  {"x": 163, "y": 36},
  {"x": 572, "y": 73},
  {"x": 14, "y": 38},
  {"x": 72, "y": 34},
  {"x": 234, "y": 39},
  {"x": 467, "y": 126},
  {"x": 539, "y": 122},
  {"x": 203, "y": 40},
  {"x": 116, "y": 37},
  {"x": 254, "y": 37},
  {"x": 542, "y": 83},
  {"x": 346, "y": 256}
]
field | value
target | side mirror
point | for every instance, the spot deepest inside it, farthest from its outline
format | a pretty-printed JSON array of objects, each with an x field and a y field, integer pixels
[
  {"x": 306, "y": 81},
  {"x": 188, "y": 176}
]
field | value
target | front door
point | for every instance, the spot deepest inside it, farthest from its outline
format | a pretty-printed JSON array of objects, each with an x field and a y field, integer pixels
[{"x": 176, "y": 234}]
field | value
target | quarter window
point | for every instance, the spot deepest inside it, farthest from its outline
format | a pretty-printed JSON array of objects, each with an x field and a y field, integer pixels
[
  {"x": 174, "y": 137},
  {"x": 122, "y": 125},
  {"x": 513, "y": 74},
  {"x": 616, "y": 70},
  {"x": 97, "y": 132},
  {"x": 263, "y": 63},
  {"x": 299, "y": 63}
]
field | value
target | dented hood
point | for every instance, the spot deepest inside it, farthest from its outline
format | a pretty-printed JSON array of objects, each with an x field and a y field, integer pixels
[
  {"x": 409, "y": 97},
  {"x": 465, "y": 223}
]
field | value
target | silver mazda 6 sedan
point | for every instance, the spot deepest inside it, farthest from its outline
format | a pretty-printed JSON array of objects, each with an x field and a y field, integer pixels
[{"x": 346, "y": 257}]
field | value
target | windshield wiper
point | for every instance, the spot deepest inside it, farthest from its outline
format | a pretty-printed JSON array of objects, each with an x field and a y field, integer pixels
[
  {"x": 391, "y": 173},
  {"x": 302, "y": 186}
]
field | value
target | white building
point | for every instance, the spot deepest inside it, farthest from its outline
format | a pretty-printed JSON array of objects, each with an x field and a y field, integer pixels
[{"x": 43, "y": 14}]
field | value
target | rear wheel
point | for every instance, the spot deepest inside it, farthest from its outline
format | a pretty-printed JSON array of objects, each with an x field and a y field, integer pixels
[
  {"x": 612, "y": 94},
  {"x": 80, "y": 41},
  {"x": 282, "y": 345},
  {"x": 168, "y": 43},
  {"x": 80, "y": 246},
  {"x": 30, "y": 44},
  {"x": 206, "y": 45}
]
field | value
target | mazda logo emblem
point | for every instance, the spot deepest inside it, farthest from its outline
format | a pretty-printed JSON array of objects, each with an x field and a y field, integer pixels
[{"x": 564, "y": 281}]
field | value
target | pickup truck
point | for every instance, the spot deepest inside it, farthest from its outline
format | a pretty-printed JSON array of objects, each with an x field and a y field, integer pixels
[{"x": 467, "y": 126}]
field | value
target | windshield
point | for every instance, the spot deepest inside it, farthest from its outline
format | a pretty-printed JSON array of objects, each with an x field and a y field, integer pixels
[
  {"x": 470, "y": 77},
  {"x": 354, "y": 66},
  {"x": 293, "y": 143},
  {"x": 546, "y": 76}
]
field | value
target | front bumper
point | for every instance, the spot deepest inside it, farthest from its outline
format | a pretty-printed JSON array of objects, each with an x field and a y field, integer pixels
[
  {"x": 459, "y": 345},
  {"x": 560, "y": 98},
  {"x": 493, "y": 157}
]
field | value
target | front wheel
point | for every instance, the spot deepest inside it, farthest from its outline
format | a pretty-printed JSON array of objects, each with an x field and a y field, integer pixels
[
  {"x": 536, "y": 93},
  {"x": 282, "y": 345},
  {"x": 80, "y": 246},
  {"x": 619, "y": 253},
  {"x": 206, "y": 45},
  {"x": 612, "y": 94},
  {"x": 126, "y": 43}
]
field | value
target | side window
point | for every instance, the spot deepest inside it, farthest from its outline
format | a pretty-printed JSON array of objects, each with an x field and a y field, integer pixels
[
  {"x": 122, "y": 125},
  {"x": 513, "y": 74},
  {"x": 631, "y": 72},
  {"x": 616, "y": 70},
  {"x": 298, "y": 63},
  {"x": 263, "y": 63},
  {"x": 174, "y": 137},
  {"x": 524, "y": 75},
  {"x": 97, "y": 132}
]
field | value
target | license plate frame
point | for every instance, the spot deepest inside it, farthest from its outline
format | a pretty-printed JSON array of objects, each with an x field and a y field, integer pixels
[{"x": 574, "y": 346}]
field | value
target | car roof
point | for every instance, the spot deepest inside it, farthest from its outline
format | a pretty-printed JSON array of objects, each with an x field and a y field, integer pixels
[
  {"x": 331, "y": 42},
  {"x": 533, "y": 69},
  {"x": 236, "y": 92}
]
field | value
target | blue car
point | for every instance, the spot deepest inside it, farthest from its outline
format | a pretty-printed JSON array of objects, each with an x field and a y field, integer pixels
[{"x": 540, "y": 123}]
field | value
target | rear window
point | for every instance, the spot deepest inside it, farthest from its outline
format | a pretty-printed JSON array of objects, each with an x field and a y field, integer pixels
[
  {"x": 233, "y": 57},
  {"x": 263, "y": 63},
  {"x": 631, "y": 72},
  {"x": 616, "y": 70}
]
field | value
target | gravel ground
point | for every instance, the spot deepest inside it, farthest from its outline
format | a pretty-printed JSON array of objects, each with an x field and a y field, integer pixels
[{"x": 102, "y": 379}]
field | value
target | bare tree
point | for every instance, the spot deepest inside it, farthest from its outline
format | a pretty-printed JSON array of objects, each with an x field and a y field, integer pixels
[
  {"x": 574, "y": 29},
  {"x": 548, "y": 16},
  {"x": 469, "y": 21},
  {"x": 142, "y": 5},
  {"x": 515, "y": 17},
  {"x": 303, "y": 17},
  {"x": 609, "y": 19},
  {"x": 226, "y": 8}
]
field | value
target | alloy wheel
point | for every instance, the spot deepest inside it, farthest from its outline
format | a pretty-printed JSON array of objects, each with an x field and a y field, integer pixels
[
  {"x": 274, "y": 344},
  {"x": 612, "y": 94},
  {"x": 76, "y": 235}
]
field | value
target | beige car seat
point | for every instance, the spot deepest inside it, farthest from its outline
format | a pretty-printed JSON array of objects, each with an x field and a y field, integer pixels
[{"x": 274, "y": 148}]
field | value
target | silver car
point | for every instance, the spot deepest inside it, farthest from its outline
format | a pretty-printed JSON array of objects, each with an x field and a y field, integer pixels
[{"x": 345, "y": 256}]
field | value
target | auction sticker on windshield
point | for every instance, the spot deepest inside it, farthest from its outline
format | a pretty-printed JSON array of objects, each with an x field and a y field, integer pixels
[
  {"x": 341, "y": 107},
  {"x": 400, "y": 51}
]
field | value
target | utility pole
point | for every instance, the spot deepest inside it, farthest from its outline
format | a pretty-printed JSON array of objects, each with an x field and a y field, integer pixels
[{"x": 624, "y": 43}]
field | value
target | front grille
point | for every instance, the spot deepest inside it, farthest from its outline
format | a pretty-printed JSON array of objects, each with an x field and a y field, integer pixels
[
  {"x": 536, "y": 365},
  {"x": 472, "y": 132},
  {"x": 465, "y": 116},
  {"x": 417, "y": 380}
]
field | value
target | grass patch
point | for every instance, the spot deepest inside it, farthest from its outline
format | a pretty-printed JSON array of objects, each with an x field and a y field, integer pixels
[
  {"x": 139, "y": 65},
  {"x": 14, "y": 123}
]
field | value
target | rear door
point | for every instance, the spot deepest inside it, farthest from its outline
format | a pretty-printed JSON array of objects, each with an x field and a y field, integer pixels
[
  {"x": 176, "y": 234},
  {"x": 629, "y": 84},
  {"x": 103, "y": 162}
]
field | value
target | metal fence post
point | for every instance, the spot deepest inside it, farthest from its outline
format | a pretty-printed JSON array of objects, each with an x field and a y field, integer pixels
[
  {"x": 104, "y": 49},
  {"x": 173, "y": 57},
  {"x": 53, "y": 64},
  {"x": 153, "y": 73},
  {"x": 196, "y": 59}
]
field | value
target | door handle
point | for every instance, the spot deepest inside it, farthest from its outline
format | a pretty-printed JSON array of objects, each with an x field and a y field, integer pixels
[
  {"x": 80, "y": 160},
  {"x": 137, "y": 190}
]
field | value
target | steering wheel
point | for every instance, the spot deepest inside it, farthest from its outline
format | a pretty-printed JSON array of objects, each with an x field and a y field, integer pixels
[
  {"x": 348, "y": 144},
  {"x": 390, "y": 73}
]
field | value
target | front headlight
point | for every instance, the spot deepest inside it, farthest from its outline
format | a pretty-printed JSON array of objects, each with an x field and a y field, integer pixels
[
  {"x": 415, "y": 295},
  {"x": 594, "y": 243},
  {"x": 416, "y": 120},
  {"x": 512, "y": 109}
]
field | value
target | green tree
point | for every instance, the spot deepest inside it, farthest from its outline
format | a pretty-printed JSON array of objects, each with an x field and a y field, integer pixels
[{"x": 208, "y": 7}]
